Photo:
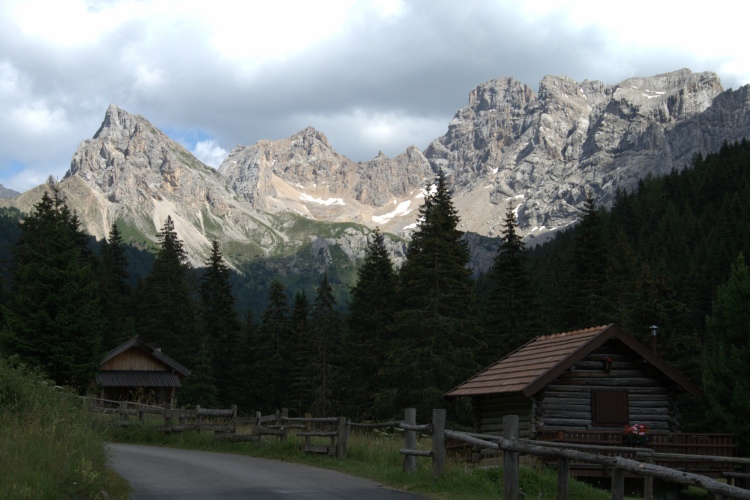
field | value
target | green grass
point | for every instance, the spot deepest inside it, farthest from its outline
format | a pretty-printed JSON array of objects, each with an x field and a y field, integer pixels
[
  {"x": 48, "y": 446},
  {"x": 375, "y": 456}
]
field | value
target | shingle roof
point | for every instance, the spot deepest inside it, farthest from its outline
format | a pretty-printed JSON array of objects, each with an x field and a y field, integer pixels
[
  {"x": 535, "y": 364},
  {"x": 127, "y": 378},
  {"x": 139, "y": 342}
]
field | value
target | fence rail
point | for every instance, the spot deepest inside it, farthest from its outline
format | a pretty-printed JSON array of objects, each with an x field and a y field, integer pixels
[{"x": 509, "y": 444}]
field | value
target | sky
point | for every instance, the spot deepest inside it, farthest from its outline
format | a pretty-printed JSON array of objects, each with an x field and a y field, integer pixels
[{"x": 373, "y": 76}]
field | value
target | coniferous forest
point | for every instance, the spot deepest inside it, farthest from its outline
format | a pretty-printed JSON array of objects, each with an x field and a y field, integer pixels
[{"x": 670, "y": 253}]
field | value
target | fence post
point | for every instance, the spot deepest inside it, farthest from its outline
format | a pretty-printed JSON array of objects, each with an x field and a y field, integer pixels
[
  {"x": 123, "y": 411},
  {"x": 198, "y": 418},
  {"x": 648, "y": 481},
  {"x": 410, "y": 418},
  {"x": 308, "y": 428},
  {"x": 341, "y": 438},
  {"x": 438, "y": 443},
  {"x": 282, "y": 423},
  {"x": 563, "y": 469},
  {"x": 618, "y": 484},
  {"x": 510, "y": 459}
]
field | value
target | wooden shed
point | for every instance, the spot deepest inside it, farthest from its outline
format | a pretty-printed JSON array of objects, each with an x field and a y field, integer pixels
[
  {"x": 593, "y": 379},
  {"x": 138, "y": 371}
]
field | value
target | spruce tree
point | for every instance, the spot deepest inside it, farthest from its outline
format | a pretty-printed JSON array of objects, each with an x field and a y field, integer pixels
[
  {"x": 371, "y": 309},
  {"x": 219, "y": 323},
  {"x": 274, "y": 344},
  {"x": 323, "y": 374},
  {"x": 167, "y": 308},
  {"x": 116, "y": 294},
  {"x": 299, "y": 399},
  {"x": 726, "y": 379},
  {"x": 53, "y": 318},
  {"x": 586, "y": 300},
  {"x": 435, "y": 334},
  {"x": 513, "y": 305}
]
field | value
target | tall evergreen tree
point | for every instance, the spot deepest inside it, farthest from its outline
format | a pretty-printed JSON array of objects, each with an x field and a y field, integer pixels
[
  {"x": 586, "y": 301},
  {"x": 274, "y": 344},
  {"x": 167, "y": 306},
  {"x": 324, "y": 360},
  {"x": 513, "y": 305},
  {"x": 53, "y": 318},
  {"x": 371, "y": 310},
  {"x": 219, "y": 323},
  {"x": 436, "y": 329},
  {"x": 116, "y": 294},
  {"x": 299, "y": 398},
  {"x": 727, "y": 350}
]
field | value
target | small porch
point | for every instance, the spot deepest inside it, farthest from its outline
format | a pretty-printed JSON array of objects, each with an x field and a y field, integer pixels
[{"x": 677, "y": 450}]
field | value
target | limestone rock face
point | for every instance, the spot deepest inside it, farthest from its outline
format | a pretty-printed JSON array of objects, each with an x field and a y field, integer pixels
[
  {"x": 137, "y": 175},
  {"x": 540, "y": 152},
  {"x": 7, "y": 193},
  {"x": 305, "y": 175}
]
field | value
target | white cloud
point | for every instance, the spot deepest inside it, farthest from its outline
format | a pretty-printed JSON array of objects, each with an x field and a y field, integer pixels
[
  {"x": 209, "y": 152},
  {"x": 372, "y": 75}
]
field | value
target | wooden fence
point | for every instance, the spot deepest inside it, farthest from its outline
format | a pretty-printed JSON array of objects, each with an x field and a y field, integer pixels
[{"x": 509, "y": 444}]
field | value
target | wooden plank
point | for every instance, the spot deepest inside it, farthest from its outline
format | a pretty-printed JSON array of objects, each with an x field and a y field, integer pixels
[{"x": 415, "y": 453}]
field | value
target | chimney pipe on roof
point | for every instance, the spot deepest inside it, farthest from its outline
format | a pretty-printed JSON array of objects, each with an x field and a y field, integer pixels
[{"x": 654, "y": 330}]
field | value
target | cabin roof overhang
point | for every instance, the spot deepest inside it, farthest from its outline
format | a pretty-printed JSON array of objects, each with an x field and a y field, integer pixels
[
  {"x": 531, "y": 367},
  {"x": 137, "y": 342},
  {"x": 142, "y": 378}
]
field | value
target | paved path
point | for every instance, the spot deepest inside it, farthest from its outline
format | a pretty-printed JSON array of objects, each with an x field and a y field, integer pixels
[{"x": 169, "y": 473}]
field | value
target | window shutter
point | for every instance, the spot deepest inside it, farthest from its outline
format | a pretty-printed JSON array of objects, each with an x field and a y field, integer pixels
[{"x": 610, "y": 407}]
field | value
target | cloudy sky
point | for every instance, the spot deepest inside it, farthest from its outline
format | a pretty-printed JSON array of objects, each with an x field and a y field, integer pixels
[{"x": 372, "y": 75}]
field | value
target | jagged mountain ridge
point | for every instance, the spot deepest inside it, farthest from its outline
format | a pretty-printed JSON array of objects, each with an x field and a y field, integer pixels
[
  {"x": 7, "y": 193},
  {"x": 538, "y": 151}
]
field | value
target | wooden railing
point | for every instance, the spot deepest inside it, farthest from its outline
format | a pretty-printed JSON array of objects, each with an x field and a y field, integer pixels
[{"x": 649, "y": 463}]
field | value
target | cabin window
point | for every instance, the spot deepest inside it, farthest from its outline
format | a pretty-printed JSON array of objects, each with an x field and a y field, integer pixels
[{"x": 609, "y": 408}]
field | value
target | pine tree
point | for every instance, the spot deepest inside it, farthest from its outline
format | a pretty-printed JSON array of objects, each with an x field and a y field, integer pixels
[
  {"x": 219, "y": 323},
  {"x": 371, "y": 310},
  {"x": 274, "y": 344},
  {"x": 726, "y": 379},
  {"x": 324, "y": 360},
  {"x": 513, "y": 305},
  {"x": 53, "y": 318},
  {"x": 436, "y": 330},
  {"x": 167, "y": 308}
]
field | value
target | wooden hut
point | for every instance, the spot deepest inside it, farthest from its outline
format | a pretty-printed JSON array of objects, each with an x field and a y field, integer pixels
[
  {"x": 138, "y": 371},
  {"x": 594, "y": 379}
]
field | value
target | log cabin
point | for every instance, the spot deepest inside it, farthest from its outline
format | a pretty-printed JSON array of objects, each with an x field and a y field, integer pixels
[
  {"x": 137, "y": 371},
  {"x": 584, "y": 387}
]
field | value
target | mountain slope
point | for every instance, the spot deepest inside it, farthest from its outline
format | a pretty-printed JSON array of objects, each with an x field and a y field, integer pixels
[{"x": 539, "y": 152}]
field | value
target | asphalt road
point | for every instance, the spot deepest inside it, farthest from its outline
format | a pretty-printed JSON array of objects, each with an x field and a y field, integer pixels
[{"x": 168, "y": 473}]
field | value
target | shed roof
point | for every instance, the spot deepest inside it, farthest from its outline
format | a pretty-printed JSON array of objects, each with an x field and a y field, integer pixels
[
  {"x": 131, "y": 378},
  {"x": 153, "y": 351},
  {"x": 537, "y": 363}
]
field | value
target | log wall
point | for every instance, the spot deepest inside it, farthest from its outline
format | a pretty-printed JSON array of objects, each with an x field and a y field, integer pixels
[
  {"x": 490, "y": 410},
  {"x": 566, "y": 402}
]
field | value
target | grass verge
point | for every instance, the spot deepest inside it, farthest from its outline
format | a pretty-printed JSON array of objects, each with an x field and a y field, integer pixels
[{"x": 48, "y": 447}]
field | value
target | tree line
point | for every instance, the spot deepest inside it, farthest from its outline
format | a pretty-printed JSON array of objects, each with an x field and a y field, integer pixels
[{"x": 408, "y": 335}]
